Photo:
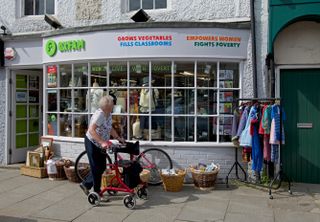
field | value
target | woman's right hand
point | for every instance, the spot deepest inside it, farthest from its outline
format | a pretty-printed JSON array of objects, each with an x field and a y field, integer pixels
[{"x": 105, "y": 144}]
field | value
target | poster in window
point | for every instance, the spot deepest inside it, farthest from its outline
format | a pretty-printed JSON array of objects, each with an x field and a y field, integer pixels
[
  {"x": 21, "y": 97},
  {"x": 52, "y": 76},
  {"x": 228, "y": 74},
  {"x": 222, "y": 74}
]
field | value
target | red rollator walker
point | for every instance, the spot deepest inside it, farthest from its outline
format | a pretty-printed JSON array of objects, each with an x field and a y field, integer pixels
[{"x": 128, "y": 180}]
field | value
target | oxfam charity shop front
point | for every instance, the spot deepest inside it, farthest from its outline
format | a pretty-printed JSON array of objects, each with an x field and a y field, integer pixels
[{"x": 173, "y": 86}]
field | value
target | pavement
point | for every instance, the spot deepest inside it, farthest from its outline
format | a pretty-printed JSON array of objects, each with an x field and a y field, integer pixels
[{"x": 28, "y": 199}]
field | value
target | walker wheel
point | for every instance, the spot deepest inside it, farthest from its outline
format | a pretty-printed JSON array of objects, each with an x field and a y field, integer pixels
[
  {"x": 143, "y": 193},
  {"x": 270, "y": 197},
  {"x": 94, "y": 198},
  {"x": 290, "y": 192},
  {"x": 112, "y": 192},
  {"x": 129, "y": 201}
]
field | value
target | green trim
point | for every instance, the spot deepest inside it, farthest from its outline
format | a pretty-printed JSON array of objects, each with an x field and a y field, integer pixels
[{"x": 286, "y": 14}]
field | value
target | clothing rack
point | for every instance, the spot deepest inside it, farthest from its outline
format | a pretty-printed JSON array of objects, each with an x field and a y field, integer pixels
[{"x": 280, "y": 174}]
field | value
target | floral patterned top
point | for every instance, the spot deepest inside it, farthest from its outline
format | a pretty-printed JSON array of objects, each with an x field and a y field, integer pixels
[{"x": 104, "y": 126}]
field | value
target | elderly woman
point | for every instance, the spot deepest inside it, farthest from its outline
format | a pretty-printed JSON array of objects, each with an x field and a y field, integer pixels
[{"x": 97, "y": 136}]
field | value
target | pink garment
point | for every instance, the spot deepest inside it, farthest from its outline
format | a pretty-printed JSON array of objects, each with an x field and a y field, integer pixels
[
  {"x": 272, "y": 133},
  {"x": 266, "y": 147}
]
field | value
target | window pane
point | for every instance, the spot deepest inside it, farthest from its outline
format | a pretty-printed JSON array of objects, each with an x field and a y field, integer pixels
[
  {"x": 98, "y": 75},
  {"x": 121, "y": 106},
  {"x": 147, "y": 4},
  {"x": 33, "y": 82},
  {"x": 65, "y": 100},
  {"x": 144, "y": 127},
  {"x": 50, "y": 7},
  {"x": 162, "y": 99},
  {"x": 161, "y": 128},
  {"x": 119, "y": 123},
  {"x": 95, "y": 95},
  {"x": 206, "y": 101},
  {"x": 80, "y": 96},
  {"x": 21, "y": 111},
  {"x": 52, "y": 100},
  {"x": 161, "y": 3},
  {"x": 80, "y": 125},
  {"x": 34, "y": 111},
  {"x": 184, "y": 76},
  {"x": 183, "y": 101},
  {"x": 65, "y": 76},
  {"x": 34, "y": 125},
  {"x": 225, "y": 127},
  {"x": 135, "y": 129},
  {"x": 207, "y": 74},
  {"x": 183, "y": 129},
  {"x": 133, "y": 100},
  {"x": 161, "y": 74},
  {"x": 206, "y": 130},
  {"x": 134, "y": 4},
  {"x": 118, "y": 74},
  {"x": 65, "y": 125},
  {"x": 28, "y": 7},
  {"x": 52, "y": 124},
  {"x": 227, "y": 101},
  {"x": 33, "y": 96},
  {"x": 229, "y": 75},
  {"x": 39, "y": 7},
  {"x": 139, "y": 74},
  {"x": 52, "y": 76},
  {"x": 80, "y": 75}
]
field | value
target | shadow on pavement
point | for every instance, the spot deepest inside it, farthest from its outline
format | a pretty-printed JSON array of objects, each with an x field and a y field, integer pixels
[{"x": 15, "y": 219}]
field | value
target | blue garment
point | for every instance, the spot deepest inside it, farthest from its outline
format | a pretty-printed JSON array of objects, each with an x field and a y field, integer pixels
[
  {"x": 97, "y": 161},
  {"x": 257, "y": 155},
  {"x": 275, "y": 116},
  {"x": 245, "y": 137},
  {"x": 243, "y": 121},
  {"x": 274, "y": 153}
]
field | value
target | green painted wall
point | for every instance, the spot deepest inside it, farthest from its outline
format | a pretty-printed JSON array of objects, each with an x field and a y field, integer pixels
[{"x": 285, "y": 12}]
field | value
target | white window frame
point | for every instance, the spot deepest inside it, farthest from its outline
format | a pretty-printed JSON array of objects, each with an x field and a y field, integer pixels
[
  {"x": 153, "y": 8},
  {"x": 22, "y": 9},
  {"x": 218, "y": 115}
]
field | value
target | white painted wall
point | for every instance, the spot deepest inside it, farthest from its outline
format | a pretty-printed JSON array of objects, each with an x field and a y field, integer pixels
[
  {"x": 74, "y": 13},
  {"x": 298, "y": 44}
]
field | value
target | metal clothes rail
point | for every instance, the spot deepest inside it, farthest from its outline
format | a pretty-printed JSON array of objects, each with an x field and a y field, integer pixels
[{"x": 280, "y": 174}]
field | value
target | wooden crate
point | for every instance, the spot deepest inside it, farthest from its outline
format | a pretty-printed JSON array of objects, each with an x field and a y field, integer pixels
[{"x": 38, "y": 172}]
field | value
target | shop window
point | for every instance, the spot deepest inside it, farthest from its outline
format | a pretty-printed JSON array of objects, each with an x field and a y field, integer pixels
[
  {"x": 146, "y": 4},
  {"x": 38, "y": 7},
  {"x": 174, "y": 101}
]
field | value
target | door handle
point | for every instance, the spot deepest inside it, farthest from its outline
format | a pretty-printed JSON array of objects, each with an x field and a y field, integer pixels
[{"x": 304, "y": 125}]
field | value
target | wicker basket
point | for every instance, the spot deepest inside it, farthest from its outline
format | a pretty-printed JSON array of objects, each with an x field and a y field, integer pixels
[
  {"x": 106, "y": 179},
  {"x": 145, "y": 176},
  {"x": 205, "y": 180},
  {"x": 71, "y": 174},
  {"x": 173, "y": 183}
]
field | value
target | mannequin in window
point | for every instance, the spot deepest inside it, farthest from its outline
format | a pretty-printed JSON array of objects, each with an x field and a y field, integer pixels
[
  {"x": 145, "y": 95},
  {"x": 95, "y": 96}
]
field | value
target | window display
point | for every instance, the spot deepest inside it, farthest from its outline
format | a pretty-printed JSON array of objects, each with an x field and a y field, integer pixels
[{"x": 171, "y": 101}]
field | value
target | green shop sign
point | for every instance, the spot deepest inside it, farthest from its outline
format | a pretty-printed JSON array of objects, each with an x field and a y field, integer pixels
[{"x": 64, "y": 46}]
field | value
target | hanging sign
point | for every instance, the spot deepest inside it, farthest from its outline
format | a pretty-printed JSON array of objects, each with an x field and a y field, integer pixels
[{"x": 9, "y": 54}]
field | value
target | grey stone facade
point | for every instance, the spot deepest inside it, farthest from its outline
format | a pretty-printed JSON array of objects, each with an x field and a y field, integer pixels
[{"x": 84, "y": 13}]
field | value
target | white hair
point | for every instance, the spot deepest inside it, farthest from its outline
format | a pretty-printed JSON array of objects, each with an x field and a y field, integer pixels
[{"x": 106, "y": 101}]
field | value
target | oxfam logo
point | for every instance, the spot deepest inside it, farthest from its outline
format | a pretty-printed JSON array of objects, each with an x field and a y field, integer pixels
[{"x": 51, "y": 48}]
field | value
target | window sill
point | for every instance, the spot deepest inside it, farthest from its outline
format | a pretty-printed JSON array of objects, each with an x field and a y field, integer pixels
[{"x": 154, "y": 143}]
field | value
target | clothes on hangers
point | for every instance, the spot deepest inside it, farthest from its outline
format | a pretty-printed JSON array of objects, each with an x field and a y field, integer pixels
[{"x": 245, "y": 137}]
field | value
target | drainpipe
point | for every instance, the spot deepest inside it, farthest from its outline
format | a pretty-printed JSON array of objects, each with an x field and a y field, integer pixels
[{"x": 254, "y": 57}]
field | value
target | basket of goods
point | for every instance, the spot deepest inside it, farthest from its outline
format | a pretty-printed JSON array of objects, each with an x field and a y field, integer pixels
[
  {"x": 204, "y": 176},
  {"x": 145, "y": 176},
  {"x": 70, "y": 171},
  {"x": 108, "y": 177},
  {"x": 55, "y": 169},
  {"x": 172, "y": 179}
]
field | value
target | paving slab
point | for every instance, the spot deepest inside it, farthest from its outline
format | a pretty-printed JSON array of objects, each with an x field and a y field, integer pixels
[
  {"x": 236, "y": 217},
  {"x": 295, "y": 216}
]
